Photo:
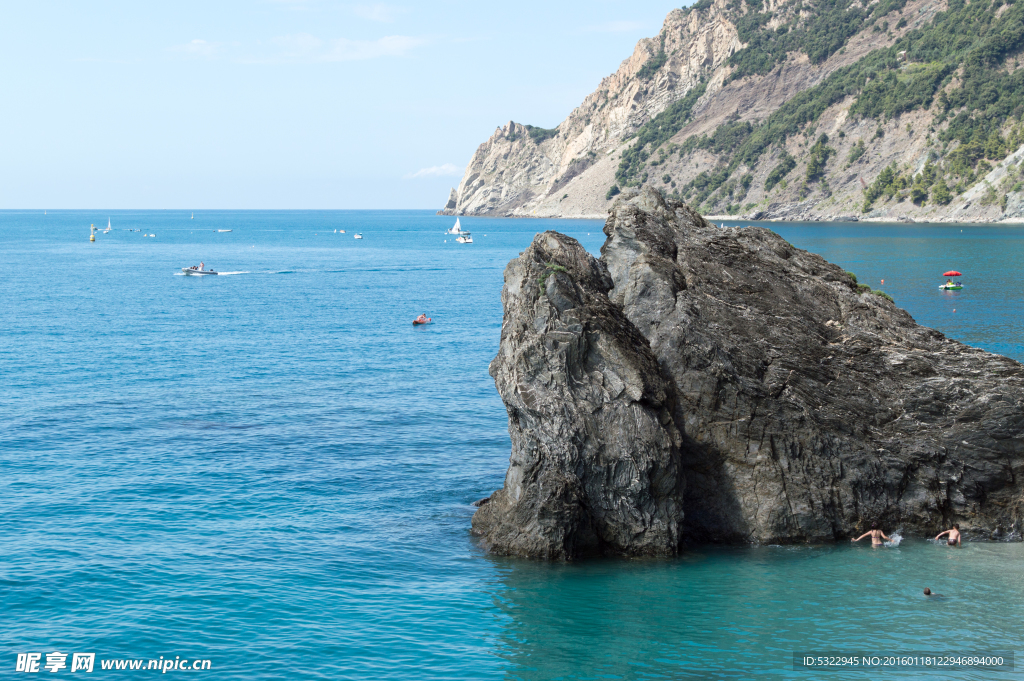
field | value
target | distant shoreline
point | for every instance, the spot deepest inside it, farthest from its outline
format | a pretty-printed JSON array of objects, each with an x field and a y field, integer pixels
[{"x": 733, "y": 218}]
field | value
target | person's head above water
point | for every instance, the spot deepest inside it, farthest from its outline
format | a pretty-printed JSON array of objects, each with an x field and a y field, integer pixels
[
  {"x": 956, "y": 526},
  {"x": 874, "y": 526},
  {"x": 927, "y": 591}
]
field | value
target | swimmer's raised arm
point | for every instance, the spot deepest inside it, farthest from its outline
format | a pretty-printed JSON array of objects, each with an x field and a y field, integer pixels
[
  {"x": 941, "y": 534},
  {"x": 866, "y": 534}
]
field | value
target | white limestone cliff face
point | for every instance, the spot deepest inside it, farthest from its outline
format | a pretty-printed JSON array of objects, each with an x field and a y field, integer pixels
[{"x": 512, "y": 175}]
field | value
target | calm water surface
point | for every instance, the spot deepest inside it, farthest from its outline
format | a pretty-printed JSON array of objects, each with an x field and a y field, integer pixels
[{"x": 273, "y": 470}]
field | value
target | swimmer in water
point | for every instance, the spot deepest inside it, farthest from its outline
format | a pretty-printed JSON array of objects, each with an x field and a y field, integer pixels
[
  {"x": 928, "y": 592},
  {"x": 954, "y": 536},
  {"x": 876, "y": 535}
]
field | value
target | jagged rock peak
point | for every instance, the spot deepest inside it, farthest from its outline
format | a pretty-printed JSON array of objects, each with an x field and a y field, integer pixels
[
  {"x": 753, "y": 391},
  {"x": 453, "y": 200},
  {"x": 595, "y": 459}
]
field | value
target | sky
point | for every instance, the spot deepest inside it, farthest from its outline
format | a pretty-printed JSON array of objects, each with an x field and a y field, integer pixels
[{"x": 285, "y": 104}]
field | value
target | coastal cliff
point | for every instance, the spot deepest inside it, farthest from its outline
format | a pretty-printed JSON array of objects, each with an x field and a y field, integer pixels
[
  {"x": 719, "y": 385},
  {"x": 589, "y": 417},
  {"x": 788, "y": 110}
]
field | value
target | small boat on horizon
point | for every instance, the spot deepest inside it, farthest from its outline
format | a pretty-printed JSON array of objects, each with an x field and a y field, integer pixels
[
  {"x": 464, "y": 238},
  {"x": 196, "y": 272},
  {"x": 456, "y": 229},
  {"x": 223, "y": 230},
  {"x": 357, "y": 236},
  {"x": 108, "y": 226}
]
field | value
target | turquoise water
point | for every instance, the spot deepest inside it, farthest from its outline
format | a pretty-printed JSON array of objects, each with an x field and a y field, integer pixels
[{"x": 273, "y": 470}]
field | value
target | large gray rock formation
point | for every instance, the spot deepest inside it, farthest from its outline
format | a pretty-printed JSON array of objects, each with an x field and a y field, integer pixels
[
  {"x": 595, "y": 457},
  {"x": 808, "y": 407}
]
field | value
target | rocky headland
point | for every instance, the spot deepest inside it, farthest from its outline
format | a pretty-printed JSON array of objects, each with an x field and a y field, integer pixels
[
  {"x": 704, "y": 384},
  {"x": 786, "y": 110}
]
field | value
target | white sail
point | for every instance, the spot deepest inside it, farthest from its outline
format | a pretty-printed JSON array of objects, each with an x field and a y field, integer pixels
[{"x": 456, "y": 229}]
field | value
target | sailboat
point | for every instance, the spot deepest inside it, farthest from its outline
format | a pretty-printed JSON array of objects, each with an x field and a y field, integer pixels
[
  {"x": 193, "y": 216},
  {"x": 456, "y": 229},
  {"x": 108, "y": 226}
]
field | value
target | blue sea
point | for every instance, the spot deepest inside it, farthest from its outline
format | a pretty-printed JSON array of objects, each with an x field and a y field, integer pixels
[{"x": 273, "y": 470}]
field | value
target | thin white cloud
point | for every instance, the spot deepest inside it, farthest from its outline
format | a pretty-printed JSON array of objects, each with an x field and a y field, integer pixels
[
  {"x": 306, "y": 48},
  {"x": 303, "y": 48},
  {"x": 199, "y": 48},
  {"x": 613, "y": 27},
  {"x": 446, "y": 170},
  {"x": 378, "y": 11},
  {"x": 298, "y": 46},
  {"x": 388, "y": 46}
]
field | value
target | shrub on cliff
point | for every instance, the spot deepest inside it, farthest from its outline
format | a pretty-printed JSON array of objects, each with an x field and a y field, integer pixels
[
  {"x": 819, "y": 156},
  {"x": 855, "y": 153},
  {"x": 941, "y": 193},
  {"x": 539, "y": 135},
  {"x": 786, "y": 164}
]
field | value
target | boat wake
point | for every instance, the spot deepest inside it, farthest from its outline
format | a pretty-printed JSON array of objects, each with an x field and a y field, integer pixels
[{"x": 221, "y": 274}]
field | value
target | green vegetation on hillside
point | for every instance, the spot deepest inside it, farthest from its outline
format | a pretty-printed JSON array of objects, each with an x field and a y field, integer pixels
[
  {"x": 817, "y": 158},
  {"x": 830, "y": 24},
  {"x": 967, "y": 43},
  {"x": 538, "y": 135},
  {"x": 726, "y": 139},
  {"x": 856, "y": 152},
  {"x": 786, "y": 164},
  {"x": 656, "y": 132}
]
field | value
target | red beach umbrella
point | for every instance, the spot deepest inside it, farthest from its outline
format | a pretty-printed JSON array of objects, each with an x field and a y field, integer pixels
[{"x": 952, "y": 273}]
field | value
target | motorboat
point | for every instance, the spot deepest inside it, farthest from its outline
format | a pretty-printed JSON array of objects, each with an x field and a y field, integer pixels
[
  {"x": 456, "y": 229},
  {"x": 357, "y": 236},
  {"x": 464, "y": 238},
  {"x": 193, "y": 272},
  {"x": 223, "y": 230}
]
